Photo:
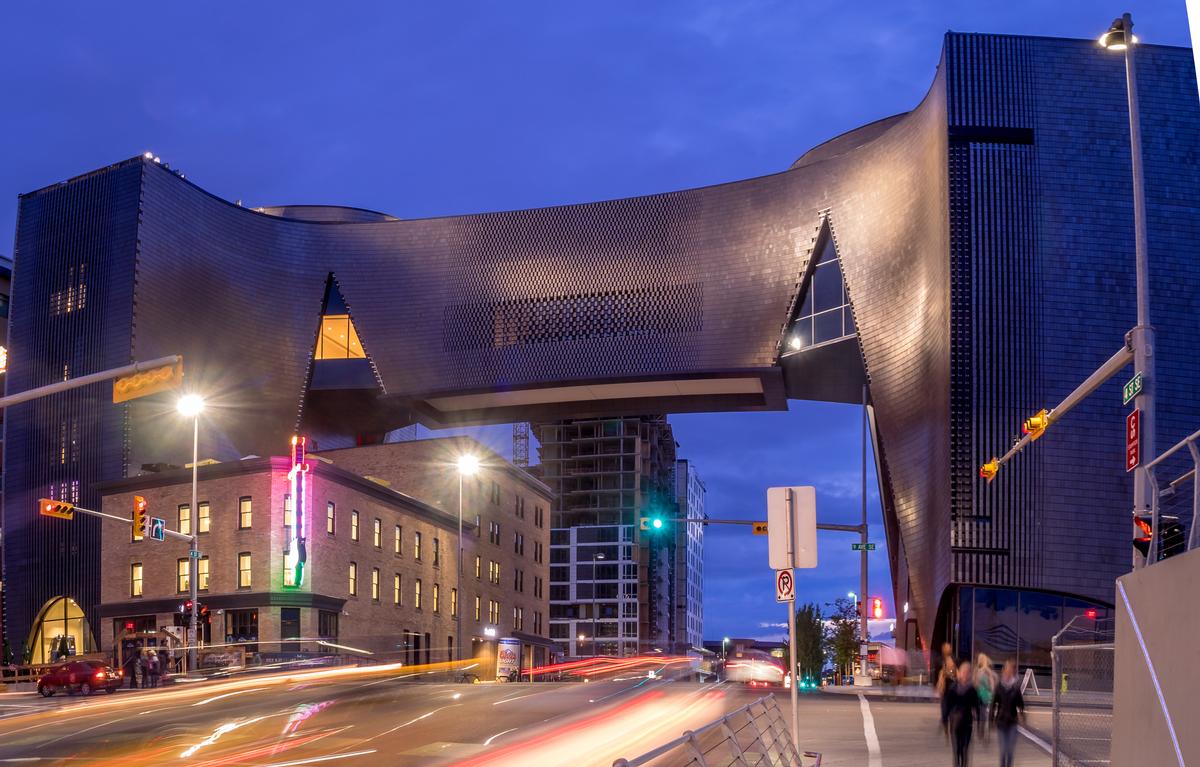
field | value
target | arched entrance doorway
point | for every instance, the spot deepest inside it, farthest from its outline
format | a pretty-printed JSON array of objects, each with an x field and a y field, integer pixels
[{"x": 60, "y": 630}]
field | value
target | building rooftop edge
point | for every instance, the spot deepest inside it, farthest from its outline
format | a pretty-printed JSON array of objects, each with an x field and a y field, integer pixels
[{"x": 282, "y": 464}]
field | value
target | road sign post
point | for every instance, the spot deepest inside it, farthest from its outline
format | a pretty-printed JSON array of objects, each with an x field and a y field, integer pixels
[{"x": 791, "y": 543}]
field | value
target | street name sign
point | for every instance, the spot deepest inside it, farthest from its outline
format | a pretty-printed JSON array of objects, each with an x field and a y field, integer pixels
[
  {"x": 194, "y": 554},
  {"x": 1132, "y": 389},
  {"x": 1133, "y": 440},
  {"x": 862, "y": 547},
  {"x": 158, "y": 529},
  {"x": 785, "y": 586},
  {"x": 760, "y": 528},
  {"x": 803, "y": 526}
]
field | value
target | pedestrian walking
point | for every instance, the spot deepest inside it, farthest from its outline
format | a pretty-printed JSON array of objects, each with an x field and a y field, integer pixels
[
  {"x": 985, "y": 685},
  {"x": 1008, "y": 707},
  {"x": 961, "y": 710},
  {"x": 946, "y": 676},
  {"x": 154, "y": 669}
]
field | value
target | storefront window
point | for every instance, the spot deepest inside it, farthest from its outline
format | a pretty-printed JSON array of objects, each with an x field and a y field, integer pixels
[
  {"x": 242, "y": 626},
  {"x": 996, "y": 623},
  {"x": 60, "y": 631}
]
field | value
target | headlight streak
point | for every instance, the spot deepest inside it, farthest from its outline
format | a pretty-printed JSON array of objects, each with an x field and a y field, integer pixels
[
  {"x": 217, "y": 733},
  {"x": 206, "y": 701},
  {"x": 172, "y": 697},
  {"x": 315, "y": 759}
]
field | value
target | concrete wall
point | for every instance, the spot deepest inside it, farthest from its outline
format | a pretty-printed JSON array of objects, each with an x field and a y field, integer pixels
[{"x": 1161, "y": 603}]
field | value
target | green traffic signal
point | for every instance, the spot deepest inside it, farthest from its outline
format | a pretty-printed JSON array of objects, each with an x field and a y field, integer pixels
[{"x": 656, "y": 523}]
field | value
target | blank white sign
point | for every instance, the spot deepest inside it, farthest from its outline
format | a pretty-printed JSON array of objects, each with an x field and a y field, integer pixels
[{"x": 804, "y": 529}]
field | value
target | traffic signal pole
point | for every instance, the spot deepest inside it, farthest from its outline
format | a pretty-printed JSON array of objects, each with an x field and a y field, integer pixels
[
  {"x": 865, "y": 637},
  {"x": 1143, "y": 332},
  {"x": 91, "y": 378}
]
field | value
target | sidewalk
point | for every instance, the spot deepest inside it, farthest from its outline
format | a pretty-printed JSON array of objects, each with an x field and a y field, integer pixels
[{"x": 905, "y": 693}]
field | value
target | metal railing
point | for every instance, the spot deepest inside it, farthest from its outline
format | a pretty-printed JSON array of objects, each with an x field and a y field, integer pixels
[
  {"x": 1193, "y": 539},
  {"x": 1082, "y": 685},
  {"x": 752, "y": 736}
]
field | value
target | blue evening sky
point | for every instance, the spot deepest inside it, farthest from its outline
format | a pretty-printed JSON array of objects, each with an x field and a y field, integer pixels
[{"x": 443, "y": 108}]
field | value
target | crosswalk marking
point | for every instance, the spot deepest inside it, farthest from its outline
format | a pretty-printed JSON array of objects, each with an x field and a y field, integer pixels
[{"x": 874, "y": 757}]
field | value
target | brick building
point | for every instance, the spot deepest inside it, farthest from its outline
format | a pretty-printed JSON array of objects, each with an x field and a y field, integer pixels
[{"x": 380, "y": 565}]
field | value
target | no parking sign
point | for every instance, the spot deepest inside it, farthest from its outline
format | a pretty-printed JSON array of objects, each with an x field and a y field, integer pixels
[{"x": 785, "y": 586}]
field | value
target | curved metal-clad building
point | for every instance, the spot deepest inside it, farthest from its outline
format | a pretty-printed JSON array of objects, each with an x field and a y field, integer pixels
[{"x": 970, "y": 261}]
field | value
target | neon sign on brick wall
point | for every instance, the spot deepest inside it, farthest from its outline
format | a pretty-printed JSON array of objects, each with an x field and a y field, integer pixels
[{"x": 295, "y": 556}]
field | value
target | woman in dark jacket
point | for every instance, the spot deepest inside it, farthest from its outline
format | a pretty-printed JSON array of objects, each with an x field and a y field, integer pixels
[
  {"x": 959, "y": 712},
  {"x": 1007, "y": 706}
]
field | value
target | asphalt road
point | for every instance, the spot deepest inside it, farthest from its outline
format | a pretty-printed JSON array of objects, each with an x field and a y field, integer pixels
[
  {"x": 351, "y": 716},
  {"x": 387, "y": 717}
]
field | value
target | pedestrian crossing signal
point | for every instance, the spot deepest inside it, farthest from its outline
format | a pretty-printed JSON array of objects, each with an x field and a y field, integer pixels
[{"x": 48, "y": 507}]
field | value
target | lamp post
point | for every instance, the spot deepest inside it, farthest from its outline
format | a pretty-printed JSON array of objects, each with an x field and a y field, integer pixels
[
  {"x": 468, "y": 465},
  {"x": 596, "y": 556},
  {"x": 191, "y": 406},
  {"x": 1120, "y": 37}
]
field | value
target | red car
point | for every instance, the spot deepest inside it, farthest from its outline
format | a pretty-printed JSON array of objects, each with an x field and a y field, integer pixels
[{"x": 84, "y": 676}]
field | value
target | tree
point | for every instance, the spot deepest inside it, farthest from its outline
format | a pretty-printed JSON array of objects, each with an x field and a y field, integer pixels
[
  {"x": 810, "y": 641},
  {"x": 841, "y": 633}
]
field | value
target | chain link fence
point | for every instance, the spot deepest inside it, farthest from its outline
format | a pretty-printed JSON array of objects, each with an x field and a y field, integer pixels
[{"x": 1083, "y": 696}]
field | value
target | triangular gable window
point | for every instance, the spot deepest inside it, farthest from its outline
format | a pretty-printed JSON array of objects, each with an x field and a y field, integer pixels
[
  {"x": 824, "y": 315},
  {"x": 338, "y": 340}
]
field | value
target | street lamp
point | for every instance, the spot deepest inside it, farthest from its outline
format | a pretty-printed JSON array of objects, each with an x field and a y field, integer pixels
[
  {"x": 1120, "y": 37},
  {"x": 468, "y": 465},
  {"x": 724, "y": 651},
  {"x": 597, "y": 555},
  {"x": 191, "y": 406}
]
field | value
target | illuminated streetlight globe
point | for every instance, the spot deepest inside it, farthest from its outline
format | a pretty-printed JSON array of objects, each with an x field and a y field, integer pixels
[
  {"x": 468, "y": 464},
  {"x": 190, "y": 405}
]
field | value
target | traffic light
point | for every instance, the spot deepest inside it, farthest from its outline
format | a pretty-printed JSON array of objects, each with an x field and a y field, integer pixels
[
  {"x": 141, "y": 519},
  {"x": 146, "y": 382},
  {"x": 48, "y": 507},
  {"x": 876, "y": 607},
  {"x": 989, "y": 469},
  {"x": 651, "y": 524},
  {"x": 1035, "y": 425},
  {"x": 1171, "y": 539}
]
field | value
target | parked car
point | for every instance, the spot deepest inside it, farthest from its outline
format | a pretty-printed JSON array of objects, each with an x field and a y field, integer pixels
[{"x": 83, "y": 676}]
